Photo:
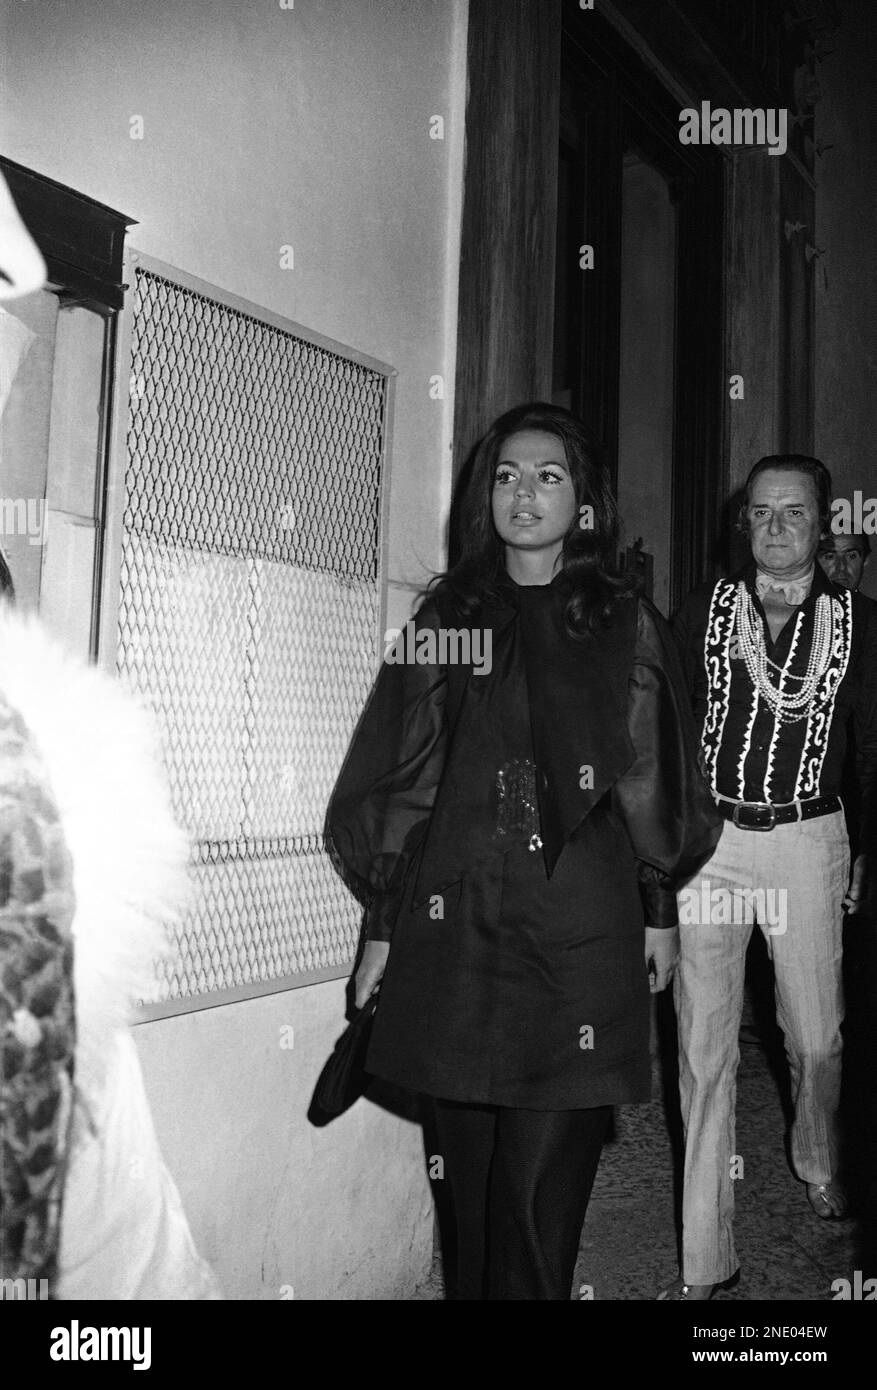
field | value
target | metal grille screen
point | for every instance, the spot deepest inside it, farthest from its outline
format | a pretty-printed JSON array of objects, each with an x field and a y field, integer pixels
[{"x": 249, "y": 610}]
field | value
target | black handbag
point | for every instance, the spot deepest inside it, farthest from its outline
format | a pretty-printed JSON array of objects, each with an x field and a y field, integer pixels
[{"x": 344, "y": 1078}]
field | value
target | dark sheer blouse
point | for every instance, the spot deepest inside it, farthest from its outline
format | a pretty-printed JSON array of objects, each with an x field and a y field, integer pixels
[{"x": 609, "y": 721}]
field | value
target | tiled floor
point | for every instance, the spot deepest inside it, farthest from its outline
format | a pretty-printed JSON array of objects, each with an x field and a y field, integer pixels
[{"x": 629, "y": 1243}]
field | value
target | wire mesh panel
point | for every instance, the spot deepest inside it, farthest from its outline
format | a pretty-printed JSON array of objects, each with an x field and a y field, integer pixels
[{"x": 249, "y": 607}]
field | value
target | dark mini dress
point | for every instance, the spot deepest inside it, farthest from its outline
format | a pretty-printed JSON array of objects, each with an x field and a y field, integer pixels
[{"x": 512, "y": 826}]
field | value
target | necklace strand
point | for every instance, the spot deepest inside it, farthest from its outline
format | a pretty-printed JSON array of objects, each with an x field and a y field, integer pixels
[{"x": 787, "y": 706}]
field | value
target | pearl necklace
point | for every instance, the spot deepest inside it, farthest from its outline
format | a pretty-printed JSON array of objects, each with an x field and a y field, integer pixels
[{"x": 787, "y": 706}]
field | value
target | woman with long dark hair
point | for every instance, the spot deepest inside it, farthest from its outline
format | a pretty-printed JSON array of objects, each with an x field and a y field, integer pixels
[{"x": 520, "y": 800}]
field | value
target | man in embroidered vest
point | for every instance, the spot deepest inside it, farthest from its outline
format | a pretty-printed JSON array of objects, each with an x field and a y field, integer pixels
[{"x": 781, "y": 664}]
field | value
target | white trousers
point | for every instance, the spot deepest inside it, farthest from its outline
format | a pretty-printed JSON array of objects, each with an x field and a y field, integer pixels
[{"x": 798, "y": 874}]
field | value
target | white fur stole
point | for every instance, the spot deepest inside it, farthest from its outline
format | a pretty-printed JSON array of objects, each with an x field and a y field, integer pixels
[{"x": 101, "y": 754}]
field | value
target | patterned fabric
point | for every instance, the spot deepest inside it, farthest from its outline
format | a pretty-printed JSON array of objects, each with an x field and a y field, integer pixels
[
  {"x": 736, "y": 768},
  {"x": 123, "y": 1231},
  {"x": 748, "y": 756},
  {"x": 517, "y": 811},
  {"x": 37, "y": 1028}
]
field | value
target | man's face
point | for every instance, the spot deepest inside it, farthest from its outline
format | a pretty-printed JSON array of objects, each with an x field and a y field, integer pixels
[
  {"x": 783, "y": 515},
  {"x": 843, "y": 560}
]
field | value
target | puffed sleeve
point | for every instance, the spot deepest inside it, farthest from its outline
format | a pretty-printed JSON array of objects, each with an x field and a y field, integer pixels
[
  {"x": 664, "y": 797},
  {"x": 382, "y": 802}
]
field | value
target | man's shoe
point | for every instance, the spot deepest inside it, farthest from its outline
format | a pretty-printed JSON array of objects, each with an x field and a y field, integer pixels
[
  {"x": 680, "y": 1292},
  {"x": 828, "y": 1200}
]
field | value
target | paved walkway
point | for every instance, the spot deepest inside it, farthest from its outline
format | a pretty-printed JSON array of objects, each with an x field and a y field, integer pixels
[{"x": 629, "y": 1243}]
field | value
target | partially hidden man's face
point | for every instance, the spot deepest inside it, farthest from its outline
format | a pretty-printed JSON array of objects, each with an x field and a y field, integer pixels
[
  {"x": 533, "y": 500},
  {"x": 843, "y": 560},
  {"x": 784, "y": 525}
]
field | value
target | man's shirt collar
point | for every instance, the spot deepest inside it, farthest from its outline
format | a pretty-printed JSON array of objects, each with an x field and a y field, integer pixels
[
  {"x": 794, "y": 591},
  {"x": 820, "y": 583}
]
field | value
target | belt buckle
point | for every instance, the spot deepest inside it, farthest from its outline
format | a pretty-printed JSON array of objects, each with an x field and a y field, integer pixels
[{"x": 756, "y": 806}]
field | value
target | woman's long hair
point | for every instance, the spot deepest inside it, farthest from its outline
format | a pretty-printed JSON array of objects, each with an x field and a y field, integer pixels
[{"x": 589, "y": 553}]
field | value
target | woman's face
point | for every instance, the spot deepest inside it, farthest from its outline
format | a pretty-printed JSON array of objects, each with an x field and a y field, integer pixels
[{"x": 533, "y": 499}]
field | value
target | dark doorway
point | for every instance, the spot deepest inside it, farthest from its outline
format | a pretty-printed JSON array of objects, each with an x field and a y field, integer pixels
[{"x": 638, "y": 344}]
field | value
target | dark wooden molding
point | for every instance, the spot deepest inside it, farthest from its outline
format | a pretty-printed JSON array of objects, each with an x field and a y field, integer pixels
[
  {"x": 599, "y": 153},
  {"x": 620, "y": 73},
  {"x": 700, "y": 471},
  {"x": 622, "y": 105},
  {"x": 749, "y": 53},
  {"x": 797, "y": 397},
  {"x": 506, "y": 286},
  {"x": 82, "y": 241}
]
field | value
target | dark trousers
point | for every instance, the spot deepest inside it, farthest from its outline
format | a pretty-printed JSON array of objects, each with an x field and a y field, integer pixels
[{"x": 520, "y": 1181}]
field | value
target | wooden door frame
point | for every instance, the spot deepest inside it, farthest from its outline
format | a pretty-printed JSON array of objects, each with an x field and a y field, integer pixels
[
  {"x": 621, "y": 102},
  {"x": 505, "y": 342},
  {"x": 506, "y": 286}
]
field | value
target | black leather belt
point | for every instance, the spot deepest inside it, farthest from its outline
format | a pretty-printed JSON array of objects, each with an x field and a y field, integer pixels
[{"x": 761, "y": 815}]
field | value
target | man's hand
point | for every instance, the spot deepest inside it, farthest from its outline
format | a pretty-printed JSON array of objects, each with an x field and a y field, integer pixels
[
  {"x": 860, "y": 894},
  {"x": 371, "y": 970},
  {"x": 662, "y": 953}
]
